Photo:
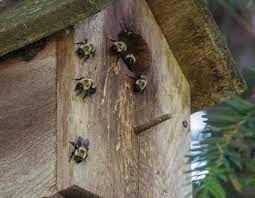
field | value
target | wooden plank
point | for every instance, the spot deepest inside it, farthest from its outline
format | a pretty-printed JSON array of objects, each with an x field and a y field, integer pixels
[
  {"x": 199, "y": 48},
  {"x": 28, "y": 21},
  {"x": 106, "y": 118},
  {"x": 118, "y": 164},
  {"x": 28, "y": 125},
  {"x": 162, "y": 149}
]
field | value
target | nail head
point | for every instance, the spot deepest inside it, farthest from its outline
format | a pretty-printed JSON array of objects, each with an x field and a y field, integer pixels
[{"x": 185, "y": 123}]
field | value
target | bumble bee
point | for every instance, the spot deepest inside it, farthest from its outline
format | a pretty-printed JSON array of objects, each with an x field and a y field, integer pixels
[
  {"x": 85, "y": 86},
  {"x": 81, "y": 148},
  {"x": 118, "y": 47},
  {"x": 133, "y": 50},
  {"x": 85, "y": 50},
  {"x": 140, "y": 83}
]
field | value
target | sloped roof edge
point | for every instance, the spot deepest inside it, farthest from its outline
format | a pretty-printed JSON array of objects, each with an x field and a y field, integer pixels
[{"x": 200, "y": 49}]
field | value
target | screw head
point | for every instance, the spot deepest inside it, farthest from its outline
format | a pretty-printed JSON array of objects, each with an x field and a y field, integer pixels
[{"x": 185, "y": 123}]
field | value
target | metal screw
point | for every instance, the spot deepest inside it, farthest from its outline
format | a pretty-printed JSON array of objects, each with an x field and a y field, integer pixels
[{"x": 185, "y": 123}]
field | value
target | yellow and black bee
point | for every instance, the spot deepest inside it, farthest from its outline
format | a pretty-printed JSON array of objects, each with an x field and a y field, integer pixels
[
  {"x": 133, "y": 50},
  {"x": 81, "y": 148},
  {"x": 140, "y": 83},
  {"x": 135, "y": 53},
  {"x": 85, "y": 50},
  {"x": 85, "y": 86},
  {"x": 118, "y": 47}
]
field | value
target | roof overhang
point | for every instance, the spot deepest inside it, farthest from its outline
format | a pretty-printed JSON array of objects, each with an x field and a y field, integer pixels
[{"x": 199, "y": 48}]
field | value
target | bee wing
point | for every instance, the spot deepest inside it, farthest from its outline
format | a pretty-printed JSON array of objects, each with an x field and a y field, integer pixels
[
  {"x": 83, "y": 142},
  {"x": 86, "y": 143}
]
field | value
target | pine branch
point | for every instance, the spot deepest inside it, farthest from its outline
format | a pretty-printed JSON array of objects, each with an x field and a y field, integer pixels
[{"x": 224, "y": 149}]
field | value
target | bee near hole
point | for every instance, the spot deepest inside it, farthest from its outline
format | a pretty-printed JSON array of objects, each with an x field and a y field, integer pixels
[
  {"x": 140, "y": 83},
  {"x": 85, "y": 50},
  {"x": 134, "y": 51},
  {"x": 80, "y": 152},
  {"x": 129, "y": 60},
  {"x": 85, "y": 86},
  {"x": 118, "y": 47}
]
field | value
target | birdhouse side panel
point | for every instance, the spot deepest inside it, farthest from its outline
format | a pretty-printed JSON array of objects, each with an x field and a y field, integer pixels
[{"x": 28, "y": 122}]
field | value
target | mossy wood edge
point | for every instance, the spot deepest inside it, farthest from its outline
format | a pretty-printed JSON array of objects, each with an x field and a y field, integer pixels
[
  {"x": 187, "y": 25},
  {"x": 199, "y": 48},
  {"x": 28, "y": 21}
]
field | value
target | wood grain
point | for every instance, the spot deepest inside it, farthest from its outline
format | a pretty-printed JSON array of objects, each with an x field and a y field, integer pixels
[
  {"x": 199, "y": 48},
  {"x": 120, "y": 163},
  {"x": 28, "y": 125}
]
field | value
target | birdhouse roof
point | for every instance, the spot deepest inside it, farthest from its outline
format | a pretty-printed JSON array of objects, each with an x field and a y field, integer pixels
[{"x": 187, "y": 25}]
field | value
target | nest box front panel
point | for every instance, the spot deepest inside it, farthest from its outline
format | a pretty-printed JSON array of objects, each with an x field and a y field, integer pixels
[{"x": 108, "y": 107}]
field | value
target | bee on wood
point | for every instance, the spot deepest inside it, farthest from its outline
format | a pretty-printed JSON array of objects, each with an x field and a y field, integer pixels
[
  {"x": 85, "y": 50},
  {"x": 85, "y": 86},
  {"x": 140, "y": 83},
  {"x": 81, "y": 148},
  {"x": 118, "y": 47},
  {"x": 133, "y": 50},
  {"x": 135, "y": 53}
]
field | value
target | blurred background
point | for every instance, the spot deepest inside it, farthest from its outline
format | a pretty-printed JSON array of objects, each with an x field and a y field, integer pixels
[{"x": 236, "y": 20}]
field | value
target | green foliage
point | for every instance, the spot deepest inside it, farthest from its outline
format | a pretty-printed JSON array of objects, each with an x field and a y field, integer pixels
[
  {"x": 225, "y": 155},
  {"x": 249, "y": 74}
]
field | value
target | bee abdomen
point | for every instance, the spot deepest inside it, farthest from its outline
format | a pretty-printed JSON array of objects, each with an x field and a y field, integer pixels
[
  {"x": 78, "y": 159},
  {"x": 79, "y": 53}
]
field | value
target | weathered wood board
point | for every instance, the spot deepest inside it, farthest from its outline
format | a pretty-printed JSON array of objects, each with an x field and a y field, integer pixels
[
  {"x": 28, "y": 21},
  {"x": 28, "y": 125},
  {"x": 120, "y": 163},
  {"x": 199, "y": 48}
]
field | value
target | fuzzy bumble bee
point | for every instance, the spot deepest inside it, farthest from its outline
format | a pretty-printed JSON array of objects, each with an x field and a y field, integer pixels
[
  {"x": 133, "y": 50},
  {"x": 85, "y": 86},
  {"x": 140, "y": 83},
  {"x": 85, "y": 50},
  {"x": 81, "y": 148},
  {"x": 135, "y": 53}
]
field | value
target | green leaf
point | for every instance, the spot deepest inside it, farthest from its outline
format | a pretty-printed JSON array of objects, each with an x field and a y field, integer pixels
[
  {"x": 235, "y": 182},
  {"x": 238, "y": 145},
  {"x": 215, "y": 188},
  {"x": 250, "y": 164},
  {"x": 240, "y": 105},
  {"x": 234, "y": 158},
  {"x": 250, "y": 181},
  {"x": 204, "y": 194}
]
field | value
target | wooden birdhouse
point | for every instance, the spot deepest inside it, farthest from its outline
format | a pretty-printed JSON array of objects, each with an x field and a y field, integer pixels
[{"x": 137, "y": 141}]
